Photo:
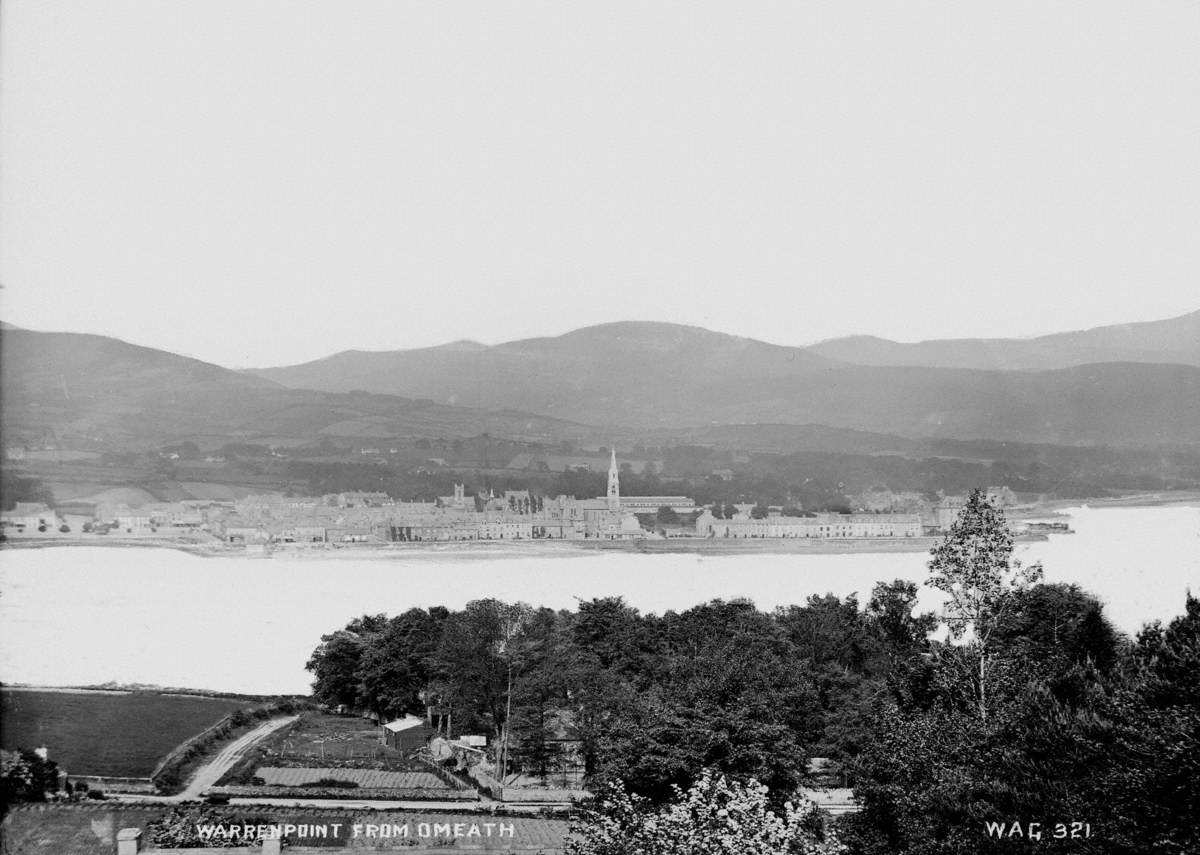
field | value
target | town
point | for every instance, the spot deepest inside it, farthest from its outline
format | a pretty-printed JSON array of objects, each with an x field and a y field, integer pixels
[{"x": 271, "y": 521}]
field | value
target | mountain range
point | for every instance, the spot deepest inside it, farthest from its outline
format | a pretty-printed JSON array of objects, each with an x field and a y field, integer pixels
[
  {"x": 1073, "y": 388},
  {"x": 91, "y": 388},
  {"x": 1131, "y": 385},
  {"x": 1176, "y": 340}
]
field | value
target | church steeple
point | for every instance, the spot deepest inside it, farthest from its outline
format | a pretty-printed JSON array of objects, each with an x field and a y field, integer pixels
[{"x": 614, "y": 484}]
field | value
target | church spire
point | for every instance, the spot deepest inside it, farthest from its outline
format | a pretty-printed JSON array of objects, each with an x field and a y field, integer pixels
[{"x": 614, "y": 484}]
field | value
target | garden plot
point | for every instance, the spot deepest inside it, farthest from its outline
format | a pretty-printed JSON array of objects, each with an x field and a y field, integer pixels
[{"x": 274, "y": 776}]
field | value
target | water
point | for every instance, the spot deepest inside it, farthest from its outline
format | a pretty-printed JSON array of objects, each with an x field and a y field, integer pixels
[{"x": 81, "y": 615}]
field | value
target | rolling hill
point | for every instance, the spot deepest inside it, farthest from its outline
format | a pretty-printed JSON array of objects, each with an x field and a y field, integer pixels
[
  {"x": 92, "y": 388},
  {"x": 625, "y": 379},
  {"x": 1176, "y": 340},
  {"x": 654, "y": 376},
  {"x": 592, "y": 372}
]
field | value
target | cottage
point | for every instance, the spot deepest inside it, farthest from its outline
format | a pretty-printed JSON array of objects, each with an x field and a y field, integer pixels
[{"x": 406, "y": 734}]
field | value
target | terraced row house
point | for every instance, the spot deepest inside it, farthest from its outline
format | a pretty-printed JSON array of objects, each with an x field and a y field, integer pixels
[{"x": 817, "y": 526}]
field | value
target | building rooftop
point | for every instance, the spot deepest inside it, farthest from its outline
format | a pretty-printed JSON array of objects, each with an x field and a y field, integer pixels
[{"x": 406, "y": 723}]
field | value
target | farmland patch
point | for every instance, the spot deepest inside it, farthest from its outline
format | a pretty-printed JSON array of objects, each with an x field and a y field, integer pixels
[{"x": 105, "y": 733}]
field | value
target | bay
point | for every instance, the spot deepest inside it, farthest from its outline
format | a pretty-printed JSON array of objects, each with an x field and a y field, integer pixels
[{"x": 88, "y": 615}]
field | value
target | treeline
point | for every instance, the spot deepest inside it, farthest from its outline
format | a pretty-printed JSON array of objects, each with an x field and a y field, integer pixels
[
  {"x": 1082, "y": 724},
  {"x": 816, "y": 481},
  {"x": 1026, "y": 705},
  {"x": 651, "y": 698},
  {"x": 1051, "y": 470}
]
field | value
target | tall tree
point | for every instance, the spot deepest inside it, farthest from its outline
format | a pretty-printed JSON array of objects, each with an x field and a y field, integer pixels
[
  {"x": 335, "y": 662},
  {"x": 1057, "y": 626},
  {"x": 397, "y": 664},
  {"x": 479, "y": 657},
  {"x": 974, "y": 567}
]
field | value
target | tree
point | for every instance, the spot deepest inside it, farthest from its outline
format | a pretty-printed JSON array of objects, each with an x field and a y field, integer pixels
[
  {"x": 479, "y": 656},
  {"x": 666, "y": 516},
  {"x": 1079, "y": 724},
  {"x": 974, "y": 567},
  {"x": 335, "y": 662},
  {"x": 901, "y": 654},
  {"x": 715, "y": 816},
  {"x": 890, "y": 612},
  {"x": 725, "y": 693},
  {"x": 396, "y": 665},
  {"x": 26, "y": 777},
  {"x": 612, "y": 631},
  {"x": 1056, "y": 626},
  {"x": 545, "y": 694},
  {"x": 1153, "y": 789}
]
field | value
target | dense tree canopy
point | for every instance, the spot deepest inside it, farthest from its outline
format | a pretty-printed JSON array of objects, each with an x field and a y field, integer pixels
[
  {"x": 1078, "y": 723},
  {"x": 652, "y": 699},
  {"x": 1092, "y": 737}
]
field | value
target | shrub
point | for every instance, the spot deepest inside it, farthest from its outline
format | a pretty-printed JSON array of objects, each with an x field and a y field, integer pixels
[
  {"x": 716, "y": 816},
  {"x": 239, "y": 717},
  {"x": 332, "y": 783}
]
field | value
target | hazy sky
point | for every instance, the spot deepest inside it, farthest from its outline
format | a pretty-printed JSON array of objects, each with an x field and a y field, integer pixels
[{"x": 259, "y": 183}]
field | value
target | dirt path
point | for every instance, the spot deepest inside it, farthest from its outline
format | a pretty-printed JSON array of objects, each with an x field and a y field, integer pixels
[{"x": 211, "y": 772}]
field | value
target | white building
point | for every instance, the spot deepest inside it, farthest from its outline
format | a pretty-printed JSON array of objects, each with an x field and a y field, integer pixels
[
  {"x": 29, "y": 516},
  {"x": 819, "y": 526}
]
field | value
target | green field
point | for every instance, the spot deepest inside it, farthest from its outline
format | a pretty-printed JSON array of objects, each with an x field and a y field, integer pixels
[{"x": 96, "y": 733}]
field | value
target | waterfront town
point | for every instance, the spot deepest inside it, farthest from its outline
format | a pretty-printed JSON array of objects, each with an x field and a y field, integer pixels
[{"x": 272, "y": 521}]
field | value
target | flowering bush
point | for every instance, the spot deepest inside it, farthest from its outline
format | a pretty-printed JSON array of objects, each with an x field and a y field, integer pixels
[{"x": 715, "y": 817}]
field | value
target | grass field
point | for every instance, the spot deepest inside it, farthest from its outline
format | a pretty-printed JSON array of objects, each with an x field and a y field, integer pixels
[{"x": 98, "y": 733}]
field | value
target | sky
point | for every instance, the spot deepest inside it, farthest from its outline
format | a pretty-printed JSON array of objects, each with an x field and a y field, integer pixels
[{"x": 259, "y": 183}]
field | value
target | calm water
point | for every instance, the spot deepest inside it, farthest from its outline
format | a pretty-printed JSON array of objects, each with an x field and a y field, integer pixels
[{"x": 79, "y": 615}]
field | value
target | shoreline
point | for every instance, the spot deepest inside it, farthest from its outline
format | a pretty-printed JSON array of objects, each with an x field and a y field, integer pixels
[
  {"x": 1054, "y": 510},
  {"x": 103, "y": 592},
  {"x": 1162, "y": 499},
  {"x": 489, "y": 549}
]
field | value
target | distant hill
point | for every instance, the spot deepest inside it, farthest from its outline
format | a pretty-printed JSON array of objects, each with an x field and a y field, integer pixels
[
  {"x": 625, "y": 380},
  {"x": 654, "y": 376},
  {"x": 89, "y": 387},
  {"x": 792, "y": 438},
  {"x": 1176, "y": 340},
  {"x": 593, "y": 374}
]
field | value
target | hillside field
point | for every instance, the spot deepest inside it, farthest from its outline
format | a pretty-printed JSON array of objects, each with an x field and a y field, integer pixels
[{"x": 102, "y": 733}]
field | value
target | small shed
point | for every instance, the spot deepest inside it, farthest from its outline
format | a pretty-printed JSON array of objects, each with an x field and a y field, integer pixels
[{"x": 406, "y": 734}]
